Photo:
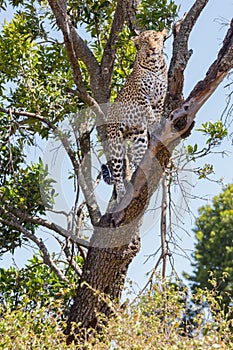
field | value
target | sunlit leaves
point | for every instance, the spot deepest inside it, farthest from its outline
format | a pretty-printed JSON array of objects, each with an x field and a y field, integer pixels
[
  {"x": 28, "y": 189},
  {"x": 36, "y": 286},
  {"x": 192, "y": 149},
  {"x": 15, "y": 48},
  {"x": 156, "y": 15},
  {"x": 94, "y": 14},
  {"x": 157, "y": 319},
  {"x": 216, "y": 131},
  {"x": 204, "y": 171},
  {"x": 38, "y": 71},
  {"x": 124, "y": 60}
]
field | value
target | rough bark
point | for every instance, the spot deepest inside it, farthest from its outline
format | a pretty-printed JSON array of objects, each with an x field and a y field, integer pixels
[{"x": 104, "y": 272}]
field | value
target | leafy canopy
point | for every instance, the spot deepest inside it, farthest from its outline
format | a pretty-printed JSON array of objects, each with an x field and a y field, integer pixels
[{"x": 36, "y": 77}]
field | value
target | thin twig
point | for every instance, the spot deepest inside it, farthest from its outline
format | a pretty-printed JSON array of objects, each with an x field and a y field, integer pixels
[{"x": 163, "y": 225}]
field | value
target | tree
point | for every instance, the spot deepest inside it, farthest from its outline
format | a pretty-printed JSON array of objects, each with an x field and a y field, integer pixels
[
  {"x": 213, "y": 250},
  {"x": 35, "y": 286},
  {"x": 50, "y": 80}
]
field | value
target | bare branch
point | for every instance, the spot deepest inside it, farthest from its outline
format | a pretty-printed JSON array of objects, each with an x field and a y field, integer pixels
[
  {"x": 71, "y": 261},
  {"x": 50, "y": 225},
  {"x": 88, "y": 190},
  {"x": 181, "y": 55},
  {"x": 163, "y": 225},
  {"x": 85, "y": 177},
  {"x": 53, "y": 127},
  {"x": 109, "y": 53},
  {"x": 46, "y": 256}
]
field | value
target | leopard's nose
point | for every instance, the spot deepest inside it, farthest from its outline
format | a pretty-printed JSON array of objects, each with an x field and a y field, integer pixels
[{"x": 154, "y": 49}]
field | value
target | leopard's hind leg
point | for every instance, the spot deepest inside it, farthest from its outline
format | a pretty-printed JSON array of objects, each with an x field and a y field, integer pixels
[
  {"x": 116, "y": 145},
  {"x": 140, "y": 145}
]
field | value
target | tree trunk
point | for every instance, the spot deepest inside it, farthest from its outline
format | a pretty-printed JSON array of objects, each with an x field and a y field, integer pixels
[{"x": 104, "y": 272}]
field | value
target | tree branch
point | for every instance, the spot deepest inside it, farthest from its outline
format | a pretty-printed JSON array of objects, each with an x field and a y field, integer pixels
[
  {"x": 53, "y": 127},
  {"x": 82, "y": 51},
  {"x": 181, "y": 55},
  {"x": 163, "y": 225},
  {"x": 46, "y": 256},
  {"x": 88, "y": 190},
  {"x": 109, "y": 53},
  {"x": 71, "y": 261},
  {"x": 131, "y": 15},
  {"x": 50, "y": 225},
  {"x": 85, "y": 177},
  {"x": 76, "y": 49}
]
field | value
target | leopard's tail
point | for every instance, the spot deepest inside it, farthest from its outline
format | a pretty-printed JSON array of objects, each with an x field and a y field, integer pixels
[{"x": 107, "y": 177}]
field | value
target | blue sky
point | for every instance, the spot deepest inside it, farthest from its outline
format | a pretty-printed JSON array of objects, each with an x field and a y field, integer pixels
[{"x": 205, "y": 42}]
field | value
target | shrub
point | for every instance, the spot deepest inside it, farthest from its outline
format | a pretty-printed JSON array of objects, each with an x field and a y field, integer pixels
[{"x": 161, "y": 318}]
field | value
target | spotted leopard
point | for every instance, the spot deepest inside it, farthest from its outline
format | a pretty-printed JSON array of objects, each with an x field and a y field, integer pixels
[{"x": 137, "y": 108}]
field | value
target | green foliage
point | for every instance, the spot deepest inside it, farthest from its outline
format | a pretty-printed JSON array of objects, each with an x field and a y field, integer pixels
[
  {"x": 192, "y": 149},
  {"x": 28, "y": 190},
  {"x": 16, "y": 193},
  {"x": 157, "y": 15},
  {"x": 35, "y": 286},
  {"x": 153, "y": 321},
  {"x": 34, "y": 77},
  {"x": 39, "y": 70},
  {"x": 206, "y": 170},
  {"x": 95, "y": 15},
  {"x": 25, "y": 330},
  {"x": 124, "y": 61},
  {"x": 157, "y": 320},
  {"x": 216, "y": 131},
  {"x": 214, "y": 248}
]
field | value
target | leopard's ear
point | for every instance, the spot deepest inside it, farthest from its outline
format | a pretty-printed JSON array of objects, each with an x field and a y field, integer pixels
[
  {"x": 164, "y": 32},
  {"x": 135, "y": 39}
]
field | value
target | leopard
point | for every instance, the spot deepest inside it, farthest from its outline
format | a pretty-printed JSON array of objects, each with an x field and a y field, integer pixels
[{"x": 137, "y": 109}]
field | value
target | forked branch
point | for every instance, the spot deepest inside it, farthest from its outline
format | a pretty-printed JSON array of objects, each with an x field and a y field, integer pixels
[{"x": 76, "y": 50}]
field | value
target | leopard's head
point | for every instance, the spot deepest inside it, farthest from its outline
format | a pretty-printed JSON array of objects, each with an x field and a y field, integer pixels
[{"x": 149, "y": 45}]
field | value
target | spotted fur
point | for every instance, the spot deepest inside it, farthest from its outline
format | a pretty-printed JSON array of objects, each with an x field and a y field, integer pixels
[{"x": 137, "y": 108}]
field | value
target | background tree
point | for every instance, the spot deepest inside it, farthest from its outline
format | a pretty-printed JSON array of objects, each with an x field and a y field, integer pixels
[
  {"x": 213, "y": 249},
  {"x": 46, "y": 78}
]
